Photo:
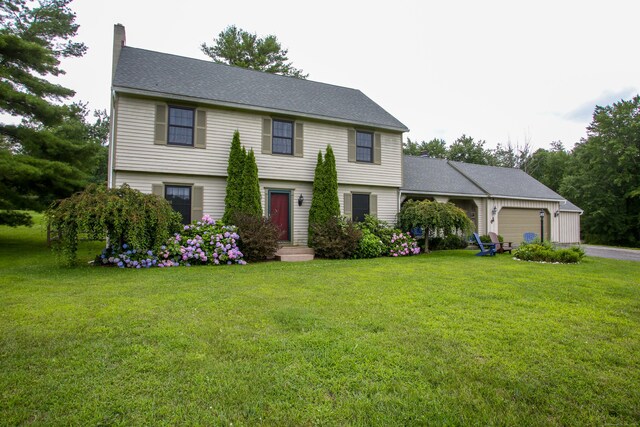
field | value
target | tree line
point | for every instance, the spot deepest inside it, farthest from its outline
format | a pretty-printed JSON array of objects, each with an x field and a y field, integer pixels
[{"x": 601, "y": 174}]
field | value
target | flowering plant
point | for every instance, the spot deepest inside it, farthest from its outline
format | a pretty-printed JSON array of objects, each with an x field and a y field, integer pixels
[
  {"x": 403, "y": 244},
  {"x": 127, "y": 257},
  {"x": 201, "y": 242},
  {"x": 204, "y": 242}
]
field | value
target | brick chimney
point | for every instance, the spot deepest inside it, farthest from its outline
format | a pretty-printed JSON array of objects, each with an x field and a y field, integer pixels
[{"x": 119, "y": 40}]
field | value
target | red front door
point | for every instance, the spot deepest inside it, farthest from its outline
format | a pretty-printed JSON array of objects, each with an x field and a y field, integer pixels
[{"x": 279, "y": 213}]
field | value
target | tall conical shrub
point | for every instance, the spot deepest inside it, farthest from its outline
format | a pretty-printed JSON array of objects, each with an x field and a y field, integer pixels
[
  {"x": 316, "y": 198},
  {"x": 235, "y": 170},
  {"x": 331, "y": 202},
  {"x": 250, "y": 203}
]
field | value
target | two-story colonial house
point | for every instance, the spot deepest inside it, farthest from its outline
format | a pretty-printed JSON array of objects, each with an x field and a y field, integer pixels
[{"x": 173, "y": 120}]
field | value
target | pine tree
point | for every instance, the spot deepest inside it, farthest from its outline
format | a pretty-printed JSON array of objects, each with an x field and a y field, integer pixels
[
  {"x": 41, "y": 159},
  {"x": 235, "y": 170},
  {"x": 331, "y": 202},
  {"x": 317, "y": 202},
  {"x": 250, "y": 203}
]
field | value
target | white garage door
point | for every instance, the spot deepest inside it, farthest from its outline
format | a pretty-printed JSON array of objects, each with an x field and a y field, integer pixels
[{"x": 514, "y": 222}]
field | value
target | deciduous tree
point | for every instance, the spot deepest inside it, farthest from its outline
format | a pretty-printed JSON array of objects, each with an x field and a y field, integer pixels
[{"x": 603, "y": 177}]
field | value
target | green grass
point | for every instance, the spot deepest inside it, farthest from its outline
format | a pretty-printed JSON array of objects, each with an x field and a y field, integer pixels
[{"x": 447, "y": 338}]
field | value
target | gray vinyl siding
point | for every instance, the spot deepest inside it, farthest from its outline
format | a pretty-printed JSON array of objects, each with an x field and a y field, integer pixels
[{"x": 136, "y": 150}]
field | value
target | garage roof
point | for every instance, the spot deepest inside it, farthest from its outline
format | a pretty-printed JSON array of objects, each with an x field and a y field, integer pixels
[
  {"x": 506, "y": 182},
  {"x": 436, "y": 176},
  {"x": 427, "y": 175},
  {"x": 164, "y": 74},
  {"x": 569, "y": 207}
]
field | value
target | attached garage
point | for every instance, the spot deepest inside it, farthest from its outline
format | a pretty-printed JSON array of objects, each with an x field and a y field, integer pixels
[{"x": 514, "y": 222}]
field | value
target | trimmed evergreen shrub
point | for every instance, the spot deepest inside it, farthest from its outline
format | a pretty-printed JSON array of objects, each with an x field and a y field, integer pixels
[
  {"x": 258, "y": 236},
  {"x": 331, "y": 201},
  {"x": 325, "y": 203},
  {"x": 317, "y": 202},
  {"x": 235, "y": 171},
  {"x": 250, "y": 203},
  {"x": 337, "y": 238}
]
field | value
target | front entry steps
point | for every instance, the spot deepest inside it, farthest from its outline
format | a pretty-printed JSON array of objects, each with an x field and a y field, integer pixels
[{"x": 294, "y": 254}]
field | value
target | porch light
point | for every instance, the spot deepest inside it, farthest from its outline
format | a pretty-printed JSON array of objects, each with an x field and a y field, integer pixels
[
  {"x": 494, "y": 211},
  {"x": 556, "y": 214},
  {"x": 300, "y": 200}
]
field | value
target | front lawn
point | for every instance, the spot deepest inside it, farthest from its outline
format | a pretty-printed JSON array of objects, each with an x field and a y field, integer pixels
[{"x": 446, "y": 338}]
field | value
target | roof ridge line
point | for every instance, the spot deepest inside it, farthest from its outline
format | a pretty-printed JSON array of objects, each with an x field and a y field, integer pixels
[
  {"x": 206, "y": 61},
  {"x": 472, "y": 180}
]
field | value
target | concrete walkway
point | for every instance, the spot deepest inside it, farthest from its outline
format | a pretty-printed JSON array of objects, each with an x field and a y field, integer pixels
[{"x": 609, "y": 252}]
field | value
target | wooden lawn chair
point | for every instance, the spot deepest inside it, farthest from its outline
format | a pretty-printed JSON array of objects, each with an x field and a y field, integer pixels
[
  {"x": 485, "y": 248},
  {"x": 501, "y": 247}
]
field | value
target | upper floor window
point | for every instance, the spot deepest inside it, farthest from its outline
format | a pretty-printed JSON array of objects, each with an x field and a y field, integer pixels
[
  {"x": 179, "y": 196},
  {"x": 282, "y": 142},
  {"x": 181, "y": 121},
  {"x": 364, "y": 147}
]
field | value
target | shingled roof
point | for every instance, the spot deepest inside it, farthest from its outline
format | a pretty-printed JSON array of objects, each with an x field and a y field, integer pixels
[
  {"x": 425, "y": 175},
  {"x": 428, "y": 175},
  {"x": 162, "y": 74},
  {"x": 506, "y": 182}
]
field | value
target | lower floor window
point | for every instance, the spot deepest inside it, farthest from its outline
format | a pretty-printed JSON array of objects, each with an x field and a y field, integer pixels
[
  {"x": 360, "y": 206},
  {"x": 179, "y": 197}
]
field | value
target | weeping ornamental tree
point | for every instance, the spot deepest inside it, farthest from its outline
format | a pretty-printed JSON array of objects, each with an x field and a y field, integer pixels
[
  {"x": 123, "y": 215},
  {"x": 435, "y": 219}
]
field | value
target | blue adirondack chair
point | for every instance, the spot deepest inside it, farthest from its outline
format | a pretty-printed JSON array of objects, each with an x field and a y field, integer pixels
[
  {"x": 529, "y": 237},
  {"x": 485, "y": 248}
]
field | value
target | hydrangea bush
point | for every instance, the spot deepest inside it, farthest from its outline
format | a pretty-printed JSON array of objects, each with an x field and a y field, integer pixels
[
  {"x": 201, "y": 242},
  {"x": 126, "y": 257},
  {"x": 403, "y": 244},
  {"x": 205, "y": 242}
]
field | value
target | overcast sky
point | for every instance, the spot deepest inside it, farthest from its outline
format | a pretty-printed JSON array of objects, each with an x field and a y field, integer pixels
[{"x": 496, "y": 70}]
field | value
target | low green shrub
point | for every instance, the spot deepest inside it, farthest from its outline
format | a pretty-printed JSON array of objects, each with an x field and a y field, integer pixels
[
  {"x": 485, "y": 238},
  {"x": 336, "y": 238},
  {"x": 258, "y": 236},
  {"x": 452, "y": 241},
  {"x": 369, "y": 245},
  {"x": 546, "y": 252}
]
